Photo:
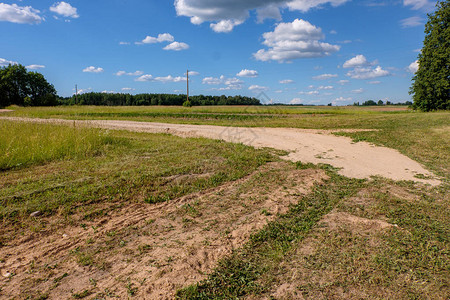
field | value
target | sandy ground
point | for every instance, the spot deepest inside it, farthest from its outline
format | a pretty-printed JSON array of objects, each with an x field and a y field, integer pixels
[
  {"x": 149, "y": 251},
  {"x": 356, "y": 160}
]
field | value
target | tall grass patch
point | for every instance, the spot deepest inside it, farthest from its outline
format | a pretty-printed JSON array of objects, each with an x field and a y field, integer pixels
[{"x": 24, "y": 144}]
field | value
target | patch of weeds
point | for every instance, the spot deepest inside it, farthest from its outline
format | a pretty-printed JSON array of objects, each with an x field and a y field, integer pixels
[
  {"x": 57, "y": 280},
  {"x": 265, "y": 212},
  {"x": 131, "y": 289},
  {"x": 82, "y": 294}
]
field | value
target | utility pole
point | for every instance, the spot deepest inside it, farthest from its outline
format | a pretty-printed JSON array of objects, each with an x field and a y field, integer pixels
[
  {"x": 76, "y": 94},
  {"x": 187, "y": 77}
]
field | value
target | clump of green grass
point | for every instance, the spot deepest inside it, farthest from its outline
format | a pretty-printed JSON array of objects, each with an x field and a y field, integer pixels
[{"x": 23, "y": 144}]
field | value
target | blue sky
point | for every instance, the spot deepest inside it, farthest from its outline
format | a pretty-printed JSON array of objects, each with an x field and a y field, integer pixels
[{"x": 295, "y": 51}]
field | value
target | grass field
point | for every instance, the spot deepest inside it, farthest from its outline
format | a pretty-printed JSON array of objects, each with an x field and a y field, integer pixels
[{"x": 345, "y": 238}]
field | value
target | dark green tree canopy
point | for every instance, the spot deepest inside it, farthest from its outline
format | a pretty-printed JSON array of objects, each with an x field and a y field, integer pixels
[
  {"x": 17, "y": 86},
  {"x": 431, "y": 84}
]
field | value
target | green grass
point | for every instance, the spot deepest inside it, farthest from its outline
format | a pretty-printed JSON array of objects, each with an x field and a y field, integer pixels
[
  {"x": 24, "y": 144},
  {"x": 136, "y": 167}
]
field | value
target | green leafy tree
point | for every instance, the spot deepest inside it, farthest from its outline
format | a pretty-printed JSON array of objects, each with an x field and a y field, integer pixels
[
  {"x": 431, "y": 84},
  {"x": 17, "y": 86}
]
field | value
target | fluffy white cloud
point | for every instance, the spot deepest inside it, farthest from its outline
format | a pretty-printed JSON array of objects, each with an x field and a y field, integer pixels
[
  {"x": 258, "y": 88},
  {"x": 35, "y": 67},
  {"x": 357, "y": 61},
  {"x": 136, "y": 73},
  {"x": 247, "y": 73},
  {"x": 225, "y": 25},
  {"x": 5, "y": 62},
  {"x": 305, "y": 5},
  {"x": 299, "y": 39},
  {"x": 374, "y": 82},
  {"x": 176, "y": 46},
  {"x": 64, "y": 9},
  {"x": 144, "y": 78},
  {"x": 342, "y": 82},
  {"x": 358, "y": 91},
  {"x": 413, "y": 67},
  {"x": 325, "y": 76},
  {"x": 19, "y": 14},
  {"x": 286, "y": 81},
  {"x": 162, "y": 37},
  {"x": 328, "y": 87},
  {"x": 310, "y": 93},
  {"x": 412, "y": 22},
  {"x": 213, "y": 80},
  {"x": 124, "y": 43},
  {"x": 93, "y": 69},
  {"x": 230, "y": 13},
  {"x": 127, "y": 89},
  {"x": 367, "y": 73},
  {"x": 170, "y": 78},
  {"x": 230, "y": 83},
  {"x": 296, "y": 101}
]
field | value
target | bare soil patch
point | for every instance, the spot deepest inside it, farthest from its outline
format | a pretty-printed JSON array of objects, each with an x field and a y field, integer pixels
[
  {"x": 356, "y": 160},
  {"x": 5, "y": 110},
  {"x": 149, "y": 251}
]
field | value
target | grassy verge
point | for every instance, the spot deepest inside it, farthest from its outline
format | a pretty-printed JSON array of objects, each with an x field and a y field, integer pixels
[
  {"x": 24, "y": 144},
  {"x": 142, "y": 167},
  {"x": 351, "y": 258}
]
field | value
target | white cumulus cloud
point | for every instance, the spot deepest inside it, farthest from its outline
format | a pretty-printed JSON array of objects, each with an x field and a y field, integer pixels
[
  {"x": 229, "y": 83},
  {"x": 367, "y": 73},
  {"x": 144, "y": 78},
  {"x": 298, "y": 39},
  {"x": 162, "y": 37},
  {"x": 136, "y": 73},
  {"x": 170, "y": 78},
  {"x": 5, "y": 62},
  {"x": 225, "y": 15},
  {"x": 296, "y": 101},
  {"x": 64, "y": 9},
  {"x": 19, "y": 14},
  {"x": 358, "y": 91},
  {"x": 357, "y": 61},
  {"x": 247, "y": 73},
  {"x": 325, "y": 76},
  {"x": 93, "y": 69},
  {"x": 176, "y": 46},
  {"x": 35, "y": 67},
  {"x": 413, "y": 67},
  {"x": 258, "y": 88}
]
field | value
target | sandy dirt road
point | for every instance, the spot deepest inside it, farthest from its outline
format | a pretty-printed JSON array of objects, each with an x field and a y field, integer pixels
[{"x": 356, "y": 160}]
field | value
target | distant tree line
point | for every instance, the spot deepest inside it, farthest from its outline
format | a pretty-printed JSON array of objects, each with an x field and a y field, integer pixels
[
  {"x": 108, "y": 99},
  {"x": 20, "y": 87},
  {"x": 380, "y": 103}
]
